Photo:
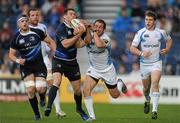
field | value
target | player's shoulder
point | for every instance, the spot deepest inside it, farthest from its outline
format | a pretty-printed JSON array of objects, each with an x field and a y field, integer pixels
[
  {"x": 139, "y": 32},
  {"x": 105, "y": 36},
  {"x": 16, "y": 35},
  {"x": 160, "y": 30}
]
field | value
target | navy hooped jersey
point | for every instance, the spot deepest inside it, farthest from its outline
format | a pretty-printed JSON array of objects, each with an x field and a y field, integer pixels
[
  {"x": 29, "y": 44},
  {"x": 65, "y": 32}
]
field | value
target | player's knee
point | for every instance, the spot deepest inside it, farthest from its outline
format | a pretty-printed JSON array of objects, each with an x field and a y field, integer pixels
[
  {"x": 41, "y": 90},
  {"x": 146, "y": 89},
  {"x": 87, "y": 91},
  {"x": 155, "y": 85},
  {"x": 31, "y": 91},
  {"x": 115, "y": 95}
]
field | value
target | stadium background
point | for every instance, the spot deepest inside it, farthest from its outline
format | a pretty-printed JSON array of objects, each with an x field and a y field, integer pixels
[{"x": 123, "y": 18}]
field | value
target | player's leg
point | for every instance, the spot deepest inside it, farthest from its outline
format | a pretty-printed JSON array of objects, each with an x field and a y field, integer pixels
[
  {"x": 59, "y": 112},
  {"x": 121, "y": 86},
  {"x": 57, "y": 77},
  {"x": 31, "y": 91},
  {"x": 146, "y": 90},
  {"x": 72, "y": 72},
  {"x": 89, "y": 84},
  {"x": 146, "y": 81},
  {"x": 58, "y": 109},
  {"x": 155, "y": 78},
  {"x": 41, "y": 87},
  {"x": 78, "y": 98}
]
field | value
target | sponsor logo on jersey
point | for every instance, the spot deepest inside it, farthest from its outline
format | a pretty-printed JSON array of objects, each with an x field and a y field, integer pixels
[
  {"x": 21, "y": 41},
  {"x": 32, "y": 38}
]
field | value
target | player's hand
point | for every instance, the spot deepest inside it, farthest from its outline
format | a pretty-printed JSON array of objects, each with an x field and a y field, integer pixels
[
  {"x": 21, "y": 61},
  {"x": 86, "y": 23},
  {"x": 146, "y": 54},
  {"x": 164, "y": 51}
]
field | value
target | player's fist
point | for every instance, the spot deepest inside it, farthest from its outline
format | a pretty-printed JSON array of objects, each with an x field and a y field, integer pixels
[
  {"x": 146, "y": 54},
  {"x": 20, "y": 61},
  {"x": 164, "y": 51}
]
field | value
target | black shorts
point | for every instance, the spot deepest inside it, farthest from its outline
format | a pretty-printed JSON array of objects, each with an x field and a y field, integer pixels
[
  {"x": 38, "y": 69},
  {"x": 69, "y": 68}
]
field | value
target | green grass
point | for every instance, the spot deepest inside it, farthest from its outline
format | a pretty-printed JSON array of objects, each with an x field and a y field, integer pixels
[{"x": 15, "y": 112}]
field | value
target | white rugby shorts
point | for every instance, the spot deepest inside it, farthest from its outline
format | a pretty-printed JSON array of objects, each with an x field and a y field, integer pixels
[
  {"x": 108, "y": 76},
  {"x": 146, "y": 69}
]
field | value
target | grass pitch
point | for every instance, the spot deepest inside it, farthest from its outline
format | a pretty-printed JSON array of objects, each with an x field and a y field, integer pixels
[{"x": 20, "y": 112}]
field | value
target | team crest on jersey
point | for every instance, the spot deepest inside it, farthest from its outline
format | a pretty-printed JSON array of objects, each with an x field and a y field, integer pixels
[
  {"x": 21, "y": 41},
  {"x": 69, "y": 32},
  {"x": 32, "y": 38}
]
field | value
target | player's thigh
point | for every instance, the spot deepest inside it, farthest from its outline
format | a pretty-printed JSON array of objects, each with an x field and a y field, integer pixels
[
  {"x": 89, "y": 84},
  {"x": 146, "y": 82},
  {"x": 155, "y": 78}
]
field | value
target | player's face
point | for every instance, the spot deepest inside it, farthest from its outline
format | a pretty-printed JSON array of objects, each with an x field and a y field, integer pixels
[
  {"x": 70, "y": 15},
  {"x": 150, "y": 22},
  {"x": 34, "y": 17},
  {"x": 99, "y": 27},
  {"x": 23, "y": 25}
]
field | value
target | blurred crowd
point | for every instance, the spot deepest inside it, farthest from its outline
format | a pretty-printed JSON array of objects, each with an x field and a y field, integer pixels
[{"x": 130, "y": 18}]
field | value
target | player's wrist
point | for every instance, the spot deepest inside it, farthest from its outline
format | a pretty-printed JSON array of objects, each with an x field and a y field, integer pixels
[
  {"x": 18, "y": 61},
  {"x": 141, "y": 54}
]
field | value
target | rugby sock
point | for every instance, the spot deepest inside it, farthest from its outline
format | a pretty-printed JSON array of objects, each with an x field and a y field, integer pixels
[
  {"x": 42, "y": 96},
  {"x": 52, "y": 95},
  {"x": 57, "y": 102},
  {"x": 34, "y": 105},
  {"x": 78, "y": 99},
  {"x": 147, "y": 97},
  {"x": 89, "y": 106},
  {"x": 155, "y": 98}
]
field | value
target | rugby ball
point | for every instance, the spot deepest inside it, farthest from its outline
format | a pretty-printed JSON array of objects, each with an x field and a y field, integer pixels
[{"x": 76, "y": 23}]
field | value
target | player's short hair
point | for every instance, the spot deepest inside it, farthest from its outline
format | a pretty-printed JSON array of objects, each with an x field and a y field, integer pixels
[
  {"x": 151, "y": 14},
  {"x": 22, "y": 17},
  {"x": 68, "y": 9},
  {"x": 32, "y": 9},
  {"x": 101, "y": 21}
]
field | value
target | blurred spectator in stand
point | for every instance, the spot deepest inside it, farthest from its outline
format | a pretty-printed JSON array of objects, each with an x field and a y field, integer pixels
[
  {"x": 4, "y": 70},
  {"x": 74, "y": 4},
  {"x": 127, "y": 57},
  {"x": 122, "y": 69},
  {"x": 122, "y": 23},
  {"x": 136, "y": 9},
  {"x": 135, "y": 69},
  {"x": 53, "y": 16},
  {"x": 46, "y": 7},
  {"x": 164, "y": 23},
  {"x": 5, "y": 37},
  {"x": 5, "y": 7},
  {"x": 169, "y": 70},
  {"x": 115, "y": 54},
  {"x": 123, "y": 5}
]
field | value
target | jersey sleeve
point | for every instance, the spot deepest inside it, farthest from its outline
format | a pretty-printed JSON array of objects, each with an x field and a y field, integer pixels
[
  {"x": 106, "y": 39},
  {"x": 13, "y": 43},
  {"x": 136, "y": 39},
  {"x": 39, "y": 32}
]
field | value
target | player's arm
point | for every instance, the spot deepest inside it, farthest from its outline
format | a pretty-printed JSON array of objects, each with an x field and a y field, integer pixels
[
  {"x": 71, "y": 41},
  {"x": 87, "y": 40},
  {"x": 12, "y": 56},
  {"x": 51, "y": 43},
  {"x": 99, "y": 43},
  {"x": 169, "y": 44}
]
